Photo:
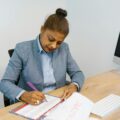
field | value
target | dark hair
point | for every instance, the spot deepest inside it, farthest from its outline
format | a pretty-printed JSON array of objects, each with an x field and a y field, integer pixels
[{"x": 57, "y": 22}]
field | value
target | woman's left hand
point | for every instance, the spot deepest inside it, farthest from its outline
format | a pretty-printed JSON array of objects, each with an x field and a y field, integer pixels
[{"x": 68, "y": 91}]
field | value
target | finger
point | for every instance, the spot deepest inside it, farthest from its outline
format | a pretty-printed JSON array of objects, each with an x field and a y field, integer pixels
[
  {"x": 65, "y": 94},
  {"x": 40, "y": 94},
  {"x": 68, "y": 95},
  {"x": 35, "y": 102},
  {"x": 35, "y": 97},
  {"x": 31, "y": 97}
]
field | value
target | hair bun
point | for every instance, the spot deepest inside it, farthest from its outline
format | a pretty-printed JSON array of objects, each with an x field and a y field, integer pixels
[{"x": 61, "y": 12}]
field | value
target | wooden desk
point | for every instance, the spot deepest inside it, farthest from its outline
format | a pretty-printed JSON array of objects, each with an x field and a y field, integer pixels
[{"x": 94, "y": 88}]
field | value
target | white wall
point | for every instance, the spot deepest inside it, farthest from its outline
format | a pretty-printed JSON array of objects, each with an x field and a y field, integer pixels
[
  {"x": 95, "y": 25},
  {"x": 94, "y": 28}
]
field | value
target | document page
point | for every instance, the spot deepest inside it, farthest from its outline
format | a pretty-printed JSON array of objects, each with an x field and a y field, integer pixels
[
  {"x": 36, "y": 111},
  {"x": 106, "y": 105},
  {"x": 76, "y": 107}
]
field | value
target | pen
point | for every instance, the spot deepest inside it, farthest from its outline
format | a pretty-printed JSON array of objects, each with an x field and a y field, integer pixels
[{"x": 33, "y": 87}]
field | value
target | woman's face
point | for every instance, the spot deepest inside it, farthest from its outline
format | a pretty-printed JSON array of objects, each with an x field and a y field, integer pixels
[{"x": 51, "y": 40}]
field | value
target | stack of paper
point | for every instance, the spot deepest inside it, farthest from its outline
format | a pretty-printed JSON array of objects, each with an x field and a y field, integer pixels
[{"x": 106, "y": 105}]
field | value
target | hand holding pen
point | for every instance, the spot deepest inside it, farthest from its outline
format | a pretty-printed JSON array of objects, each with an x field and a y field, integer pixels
[
  {"x": 34, "y": 97},
  {"x": 33, "y": 88}
]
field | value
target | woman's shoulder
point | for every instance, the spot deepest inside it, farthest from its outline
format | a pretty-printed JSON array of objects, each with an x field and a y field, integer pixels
[
  {"x": 24, "y": 48},
  {"x": 25, "y": 44}
]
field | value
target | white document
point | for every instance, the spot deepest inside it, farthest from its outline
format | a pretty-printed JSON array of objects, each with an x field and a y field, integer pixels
[
  {"x": 37, "y": 111},
  {"x": 76, "y": 107},
  {"x": 106, "y": 105}
]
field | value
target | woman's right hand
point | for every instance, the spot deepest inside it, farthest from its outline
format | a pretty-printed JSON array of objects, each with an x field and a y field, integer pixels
[{"x": 32, "y": 97}]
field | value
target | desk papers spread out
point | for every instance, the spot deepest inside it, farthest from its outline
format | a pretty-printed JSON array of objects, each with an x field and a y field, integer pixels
[
  {"x": 106, "y": 105},
  {"x": 76, "y": 107}
]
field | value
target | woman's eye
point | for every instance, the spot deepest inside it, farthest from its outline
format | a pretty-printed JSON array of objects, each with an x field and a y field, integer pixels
[
  {"x": 59, "y": 43},
  {"x": 51, "y": 40}
]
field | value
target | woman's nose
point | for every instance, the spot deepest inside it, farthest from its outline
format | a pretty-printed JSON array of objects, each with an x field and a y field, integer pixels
[{"x": 53, "y": 45}]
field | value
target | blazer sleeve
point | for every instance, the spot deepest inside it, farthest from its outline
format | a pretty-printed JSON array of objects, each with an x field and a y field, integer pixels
[
  {"x": 73, "y": 70},
  {"x": 11, "y": 74}
]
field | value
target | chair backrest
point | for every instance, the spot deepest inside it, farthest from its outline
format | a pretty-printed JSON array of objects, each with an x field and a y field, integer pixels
[
  {"x": 10, "y": 52},
  {"x": 6, "y": 100}
]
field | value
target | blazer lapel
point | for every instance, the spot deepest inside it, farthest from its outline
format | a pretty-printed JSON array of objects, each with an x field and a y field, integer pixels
[
  {"x": 38, "y": 59},
  {"x": 55, "y": 67}
]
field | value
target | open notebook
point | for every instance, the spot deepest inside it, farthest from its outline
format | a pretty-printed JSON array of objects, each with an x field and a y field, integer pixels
[{"x": 76, "y": 107}]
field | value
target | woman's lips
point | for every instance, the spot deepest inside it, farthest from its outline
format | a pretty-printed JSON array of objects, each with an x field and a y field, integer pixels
[{"x": 50, "y": 49}]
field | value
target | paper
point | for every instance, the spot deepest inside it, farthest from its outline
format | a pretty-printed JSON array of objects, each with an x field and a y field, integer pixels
[
  {"x": 106, "y": 105},
  {"x": 37, "y": 111},
  {"x": 76, "y": 107}
]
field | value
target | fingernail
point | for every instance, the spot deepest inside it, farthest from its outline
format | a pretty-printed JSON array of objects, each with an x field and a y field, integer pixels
[{"x": 63, "y": 99}]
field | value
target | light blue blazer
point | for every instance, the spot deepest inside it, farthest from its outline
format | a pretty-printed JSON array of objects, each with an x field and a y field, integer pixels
[{"x": 26, "y": 62}]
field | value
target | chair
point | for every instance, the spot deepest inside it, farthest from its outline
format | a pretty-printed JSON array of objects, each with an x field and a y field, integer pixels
[
  {"x": 10, "y": 52},
  {"x": 6, "y": 100}
]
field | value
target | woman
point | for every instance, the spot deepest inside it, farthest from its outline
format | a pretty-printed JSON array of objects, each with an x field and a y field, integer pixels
[{"x": 42, "y": 62}]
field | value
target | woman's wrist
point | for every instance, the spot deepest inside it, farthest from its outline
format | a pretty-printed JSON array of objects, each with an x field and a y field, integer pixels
[{"x": 73, "y": 86}]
